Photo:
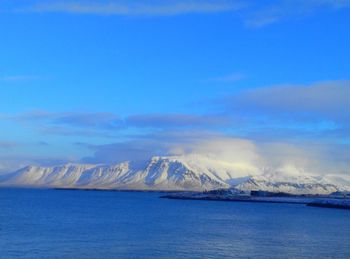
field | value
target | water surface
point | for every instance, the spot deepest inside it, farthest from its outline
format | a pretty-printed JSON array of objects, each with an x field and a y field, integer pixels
[{"x": 97, "y": 224}]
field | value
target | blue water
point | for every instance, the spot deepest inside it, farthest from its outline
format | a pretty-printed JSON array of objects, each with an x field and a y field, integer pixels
[{"x": 95, "y": 224}]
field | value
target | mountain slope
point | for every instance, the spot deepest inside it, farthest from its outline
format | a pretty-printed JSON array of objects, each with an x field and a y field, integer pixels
[{"x": 195, "y": 173}]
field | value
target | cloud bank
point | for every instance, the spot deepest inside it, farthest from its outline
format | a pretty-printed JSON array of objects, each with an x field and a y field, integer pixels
[
  {"x": 312, "y": 158},
  {"x": 305, "y": 127}
]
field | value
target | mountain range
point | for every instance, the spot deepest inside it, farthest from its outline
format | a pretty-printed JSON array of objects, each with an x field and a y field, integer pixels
[{"x": 176, "y": 173}]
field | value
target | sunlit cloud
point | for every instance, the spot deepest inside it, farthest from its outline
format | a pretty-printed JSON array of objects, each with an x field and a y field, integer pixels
[{"x": 308, "y": 157}]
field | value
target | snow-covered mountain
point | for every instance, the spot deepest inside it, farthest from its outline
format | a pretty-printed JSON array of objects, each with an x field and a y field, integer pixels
[{"x": 191, "y": 172}]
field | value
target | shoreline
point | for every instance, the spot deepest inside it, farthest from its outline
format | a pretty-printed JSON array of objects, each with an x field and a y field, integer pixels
[{"x": 321, "y": 202}]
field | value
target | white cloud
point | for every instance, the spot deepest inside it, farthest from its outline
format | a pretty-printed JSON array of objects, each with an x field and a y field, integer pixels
[{"x": 275, "y": 156}]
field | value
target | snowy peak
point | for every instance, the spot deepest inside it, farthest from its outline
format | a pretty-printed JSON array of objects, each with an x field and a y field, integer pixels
[{"x": 170, "y": 171}]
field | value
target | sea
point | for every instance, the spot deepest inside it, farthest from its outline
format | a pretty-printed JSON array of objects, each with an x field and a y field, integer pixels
[{"x": 49, "y": 223}]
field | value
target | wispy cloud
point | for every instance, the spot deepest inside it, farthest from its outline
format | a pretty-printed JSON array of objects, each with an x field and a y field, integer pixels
[
  {"x": 298, "y": 110},
  {"x": 318, "y": 111},
  {"x": 254, "y": 13},
  {"x": 281, "y": 10},
  {"x": 109, "y": 124},
  {"x": 135, "y": 8},
  {"x": 92, "y": 120},
  {"x": 328, "y": 100}
]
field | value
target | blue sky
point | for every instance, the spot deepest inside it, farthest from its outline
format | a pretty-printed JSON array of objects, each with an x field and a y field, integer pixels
[{"x": 136, "y": 78}]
